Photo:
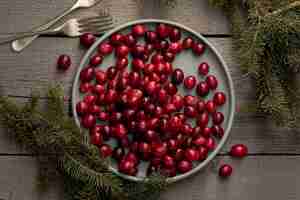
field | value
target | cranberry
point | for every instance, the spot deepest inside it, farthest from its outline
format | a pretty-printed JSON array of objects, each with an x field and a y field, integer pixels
[
  {"x": 210, "y": 106},
  {"x": 239, "y": 150},
  {"x": 118, "y": 153},
  {"x": 127, "y": 167},
  {"x": 134, "y": 79},
  {"x": 96, "y": 139},
  {"x": 191, "y": 154},
  {"x": 145, "y": 150},
  {"x": 200, "y": 106},
  {"x": 162, "y": 45},
  {"x": 174, "y": 34},
  {"x": 151, "y": 136},
  {"x": 188, "y": 43},
  {"x": 225, "y": 171},
  {"x": 169, "y": 56},
  {"x": 158, "y": 111},
  {"x": 100, "y": 76},
  {"x": 121, "y": 63},
  {"x": 103, "y": 116},
  {"x": 149, "y": 68},
  {"x": 120, "y": 131},
  {"x": 152, "y": 123},
  {"x": 138, "y": 51},
  {"x": 203, "y": 152},
  {"x": 159, "y": 68},
  {"x": 111, "y": 72},
  {"x": 180, "y": 139},
  {"x": 94, "y": 109},
  {"x": 124, "y": 142},
  {"x": 199, "y": 141},
  {"x": 137, "y": 64},
  {"x": 172, "y": 144},
  {"x": 184, "y": 166},
  {"x": 157, "y": 58},
  {"x": 64, "y": 62},
  {"x": 177, "y": 76},
  {"x": 129, "y": 40},
  {"x": 141, "y": 126},
  {"x": 210, "y": 143},
  {"x": 149, "y": 48},
  {"x": 82, "y": 108},
  {"x": 181, "y": 117},
  {"x": 203, "y": 68},
  {"x": 151, "y": 37},
  {"x": 168, "y": 68},
  {"x": 151, "y": 87},
  {"x": 138, "y": 30},
  {"x": 218, "y": 131},
  {"x": 190, "y": 82},
  {"x": 190, "y": 111},
  {"x": 105, "y": 151},
  {"x": 169, "y": 108},
  {"x": 212, "y": 82},
  {"x": 175, "y": 124},
  {"x": 203, "y": 119},
  {"x": 179, "y": 154},
  {"x": 105, "y": 48},
  {"x": 98, "y": 89},
  {"x": 162, "y": 30},
  {"x": 96, "y": 60},
  {"x": 206, "y": 132},
  {"x": 187, "y": 129},
  {"x": 168, "y": 162},
  {"x": 128, "y": 114},
  {"x": 90, "y": 99},
  {"x": 202, "y": 89},
  {"x": 190, "y": 100},
  {"x": 163, "y": 78},
  {"x": 132, "y": 157},
  {"x": 88, "y": 121},
  {"x": 159, "y": 150},
  {"x": 87, "y": 39},
  {"x": 141, "y": 115},
  {"x": 162, "y": 96},
  {"x": 197, "y": 131},
  {"x": 178, "y": 101},
  {"x": 218, "y": 118},
  {"x": 116, "y": 39},
  {"x": 198, "y": 48},
  {"x": 100, "y": 99},
  {"x": 171, "y": 89},
  {"x": 122, "y": 51},
  {"x": 87, "y": 74},
  {"x": 219, "y": 98},
  {"x": 85, "y": 87}
]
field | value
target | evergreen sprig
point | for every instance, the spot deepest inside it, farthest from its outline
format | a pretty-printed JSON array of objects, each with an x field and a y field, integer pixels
[{"x": 61, "y": 148}]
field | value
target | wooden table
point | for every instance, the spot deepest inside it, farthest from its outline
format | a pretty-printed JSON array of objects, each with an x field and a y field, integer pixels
[{"x": 269, "y": 172}]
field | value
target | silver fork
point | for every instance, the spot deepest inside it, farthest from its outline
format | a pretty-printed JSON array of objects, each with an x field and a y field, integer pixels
[
  {"x": 71, "y": 28},
  {"x": 19, "y": 45}
]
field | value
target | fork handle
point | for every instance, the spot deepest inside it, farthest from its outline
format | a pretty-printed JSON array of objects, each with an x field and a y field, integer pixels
[{"x": 19, "y": 45}]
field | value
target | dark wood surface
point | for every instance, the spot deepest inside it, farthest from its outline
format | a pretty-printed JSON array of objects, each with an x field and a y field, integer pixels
[{"x": 271, "y": 170}]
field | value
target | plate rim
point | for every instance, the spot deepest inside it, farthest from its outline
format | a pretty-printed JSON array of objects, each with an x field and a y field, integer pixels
[{"x": 221, "y": 143}]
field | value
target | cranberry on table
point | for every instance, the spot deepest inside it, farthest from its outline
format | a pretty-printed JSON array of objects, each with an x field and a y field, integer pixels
[
  {"x": 190, "y": 82},
  {"x": 225, "y": 171},
  {"x": 179, "y": 154},
  {"x": 212, "y": 82},
  {"x": 202, "y": 89},
  {"x": 184, "y": 166},
  {"x": 174, "y": 34},
  {"x": 239, "y": 150},
  {"x": 217, "y": 118},
  {"x": 122, "y": 51},
  {"x": 203, "y": 69},
  {"x": 88, "y": 121},
  {"x": 64, "y": 62},
  {"x": 138, "y": 30},
  {"x": 177, "y": 76},
  {"x": 129, "y": 40},
  {"x": 96, "y": 60},
  {"x": 116, "y": 39},
  {"x": 87, "y": 74},
  {"x": 218, "y": 131},
  {"x": 100, "y": 76},
  {"x": 188, "y": 43},
  {"x": 191, "y": 154},
  {"x": 162, "y": 31},
  {"x": 219, "y": 98},
  {"x": 87, "y": 39},
  {"x": 198, "y": 48},
  {"x": 105, "y": 48},
  {"x": 210, "y": 106}
]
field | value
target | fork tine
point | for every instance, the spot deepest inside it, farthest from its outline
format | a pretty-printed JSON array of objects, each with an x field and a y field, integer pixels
[
  {"x": 96, "y": 24},
  {"x": 95, "y": 18},
  {"x": 97, "y": 30}
]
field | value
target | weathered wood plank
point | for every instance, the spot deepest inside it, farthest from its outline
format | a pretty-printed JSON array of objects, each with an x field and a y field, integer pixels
[
  {"x": 35, "y": 68},
  {"x": 262, "y": 177},
  {"x": 24, "y": 15}
]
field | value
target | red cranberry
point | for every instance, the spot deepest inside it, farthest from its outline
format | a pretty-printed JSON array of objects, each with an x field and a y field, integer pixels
[
  {"x": 151, "y": 37},
  {"x": 180, "y": 139},
  {"x": 177, "y": 76},
  {"x": 169, "y": 56},
  {"x": 111, "y": 96},
  {"x": 141, "y": 115},
  {"x": 145, "y": 150},
  {"x": 100, "y": 99},
  {"x": 190, "y": 111},
  {"x": 149, "y": 48},
  {"x": 159, "y": 68},
  {"x": 120, "y": 131},
  {"x": 122, "y": 51},
  {"x": 105, "y": 48},
  {"x": 98, "y": 89},
  {"x": 118, "y": 153},
  {"x": 191, "y": 154},
  {"x": 82, "y": 108},
  {"x": 203, "y": 69},
  {"x": 85, "y": 87},
  {"x": 100, "y": 76},
  {"x": 225, "y": 171},
  {"x": 175, "y": 47},
  {"x": 203, "y": 152},
  {"x": 188, "y": 43},
  {"x": 202, "y": 89},
  {"x": 187, "y": 129},
  {"x": 64, "y": 62},
  {"x": 88, "y": 121},
  {"x": 197, "y": 131},
  {"x": 87, "y": 74},
  {"x": 184, "y": 166},
  {"x": 178, "y": 101},
  {"x": 210, "y": 143},
  {"x": 134, "y": 79},
  {"x": 171, "y": 89},
  {"x": 138, "y": 30},
  {"x": 154, "y": 77},
  {"x": 126, "y": 167},
  {"x": 162, "y": 96},
  {"x": 212, "y": 82},
  {"x": 172, "y": 144},
  {"x": 163, "y": 78},
  {"x": 141, "y": 126},
  {"x": 169, "y": 108},
  {"x": 157, "y": 58},
  {"x": 190, "y": 100},
  {"x": 200, "y": 106},
  {"x": 132, "y": 157},
  {"x": 210, "y": 106},
  {"x": 162, "y": 45},
  {"x": 198, "y": 48},
  {"x": 174, "y": 34},
  {"x": 96, "y": 60},
  {"x": 175, "y": 124},
  {"x": 94, "y": 109},
  {"x": 168, "y": 68},
  {"x": 96, "y": 139},
  {"x": 152, "y": 123},
  {"x": 87, "y": 39},
  {"x": 158, "y": 111},
  {"x": 116, "y": 39},
  {"x": 151, "y": 87},
  {"x": 203, "y": 119},
  {"x": 159, "y": 150},
  {"x": 105, "y": 151},
  {"x": 129, "y": 40},
  {"x": 137, "y": 64},
  {"x": 218, "y": 131},
  {"x": 121, "y": 63},
  {"x": 217, "y": 118},
  {"x": 199, "y": 141},
  {"x": 149, "y": 68},
  {"x": 138, "y": 51},
  {"x": 206, "y": 132},
  {"x": 124, "y": 142},
  {"x": 151, "y": 136},
  {"x": 111, "y": 72},
  {"x": 190, "y": 82},
  {"x": 219, "y": 98},
  {"x": 162, "y": 30},
  {"x": 168, "y": 162},
  {"x": 128, "y": 114},
  {"x": 239, "y": 150},
  {"x": 179, "y": 154},
  {"x": 181, "y": 117},
  {"x": 90, "y": 99},
  {"x": 103, "y": 116}
]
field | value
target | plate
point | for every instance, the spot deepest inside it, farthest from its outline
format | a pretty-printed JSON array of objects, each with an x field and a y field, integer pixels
[{"x": 188, "y": 62}]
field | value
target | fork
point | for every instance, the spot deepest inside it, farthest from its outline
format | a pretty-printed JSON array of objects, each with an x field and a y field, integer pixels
[
  {"x": 71, "y": 28},
  {"x": 19, "y": 45}
]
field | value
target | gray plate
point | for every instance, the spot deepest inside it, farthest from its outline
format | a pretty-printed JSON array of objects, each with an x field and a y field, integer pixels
[{"x": 188, "y": 62}]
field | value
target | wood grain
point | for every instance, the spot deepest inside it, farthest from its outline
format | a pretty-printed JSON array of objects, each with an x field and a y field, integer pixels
[
  {"x": 24, "y": 15},
  {"x": 262, "y": 177}
]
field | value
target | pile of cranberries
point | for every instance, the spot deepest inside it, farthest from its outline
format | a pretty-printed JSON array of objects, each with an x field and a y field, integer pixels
[{"x": 137, "y": 102}]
